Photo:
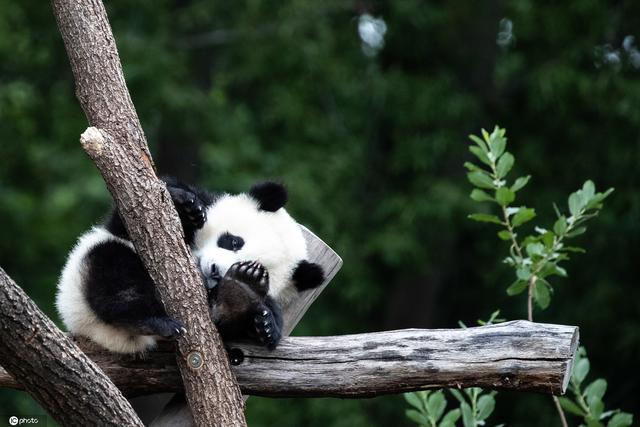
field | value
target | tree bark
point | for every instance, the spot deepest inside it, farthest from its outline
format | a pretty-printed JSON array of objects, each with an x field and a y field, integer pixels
[
  {"x": 117, "y": 145},
  {"x": 50, "y": 366},
  {"x": 517, "y": 355}
]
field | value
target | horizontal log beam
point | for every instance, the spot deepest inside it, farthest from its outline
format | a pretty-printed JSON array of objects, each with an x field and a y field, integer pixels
[{"x": 516, "y": 355}]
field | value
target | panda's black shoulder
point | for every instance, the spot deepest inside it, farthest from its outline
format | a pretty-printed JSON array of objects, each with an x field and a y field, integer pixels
[{"x": 204, "y": 195}]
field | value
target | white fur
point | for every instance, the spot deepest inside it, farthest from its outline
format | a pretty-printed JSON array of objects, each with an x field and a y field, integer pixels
[
  {"x": 272, "y": 238},
  {"x": 74, "y": 309}
]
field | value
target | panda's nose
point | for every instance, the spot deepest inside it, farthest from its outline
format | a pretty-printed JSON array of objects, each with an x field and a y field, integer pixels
[{"x": 213, "y": 279}]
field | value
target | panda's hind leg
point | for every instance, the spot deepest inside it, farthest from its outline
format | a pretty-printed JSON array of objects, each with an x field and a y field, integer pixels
[
  {"x": 265, "y": 312},
  {"x": 121, "y": 293}
]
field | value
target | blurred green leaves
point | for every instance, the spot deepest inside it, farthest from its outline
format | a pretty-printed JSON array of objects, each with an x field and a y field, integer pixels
[
  {"x": 586, "y": 402},
  {"x": 475, "y": 406}
]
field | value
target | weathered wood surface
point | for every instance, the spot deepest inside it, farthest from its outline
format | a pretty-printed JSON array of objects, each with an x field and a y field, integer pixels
[
  {"x": 322, "y": 254},
  {"x": 518, "y": 355},
  {"x": 52, "y": 368},
  {"x": 116, "y": 143}
]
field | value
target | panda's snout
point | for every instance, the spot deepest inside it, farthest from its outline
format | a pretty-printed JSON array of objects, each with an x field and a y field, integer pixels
[{"x": 213, "y": 278}]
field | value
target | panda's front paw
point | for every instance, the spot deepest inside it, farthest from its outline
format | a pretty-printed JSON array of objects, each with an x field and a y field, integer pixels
[
  {"x": 251, "y": 273},
  {"x": 167, "y": 327},
  {"x": 267, "y": 328},
  {"x": 189, "y": 206}
]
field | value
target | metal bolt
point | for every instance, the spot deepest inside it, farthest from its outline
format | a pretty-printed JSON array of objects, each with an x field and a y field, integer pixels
[{"x": 195, "y": 360}]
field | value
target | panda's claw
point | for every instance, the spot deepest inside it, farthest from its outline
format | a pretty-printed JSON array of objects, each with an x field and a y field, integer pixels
[
  {"x": 251, "y": 273},
  {"x": 267, "y": 329}
]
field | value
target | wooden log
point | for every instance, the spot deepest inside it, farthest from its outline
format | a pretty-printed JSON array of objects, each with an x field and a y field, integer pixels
[{"x": 517, "y": 355}]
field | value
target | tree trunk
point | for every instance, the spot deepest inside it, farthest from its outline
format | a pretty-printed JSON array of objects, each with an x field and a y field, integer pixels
[
  {"x": 117, "y": 145},
  {"x": 53, "y": 369}
]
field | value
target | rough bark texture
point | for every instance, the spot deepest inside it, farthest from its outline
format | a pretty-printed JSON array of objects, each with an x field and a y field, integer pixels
[
  {"x": 52, "y": 368},
  {"x": 117, "y": 145},
  {"x": 517, "y": 355}
]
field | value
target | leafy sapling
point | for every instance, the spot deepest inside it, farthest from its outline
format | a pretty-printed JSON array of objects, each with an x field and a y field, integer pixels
[
  {"x": 537, "y": 256},
  {"x": 587, "y": 402}
]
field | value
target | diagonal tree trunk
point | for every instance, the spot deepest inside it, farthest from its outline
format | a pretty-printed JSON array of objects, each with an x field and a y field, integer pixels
[
  {"x": 117, "y": 145},
  {"x": 50, "y": 366}
]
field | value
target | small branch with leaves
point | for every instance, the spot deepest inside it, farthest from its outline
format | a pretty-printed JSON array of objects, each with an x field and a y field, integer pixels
[{"x": 534, "y": 258}]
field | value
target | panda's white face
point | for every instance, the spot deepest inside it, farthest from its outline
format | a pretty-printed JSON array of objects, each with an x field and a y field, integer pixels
[{"x": 237, "y": 230}]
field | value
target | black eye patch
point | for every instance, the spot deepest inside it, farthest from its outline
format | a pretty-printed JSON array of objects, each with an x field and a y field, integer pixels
[{"x": 230, "y": 242}]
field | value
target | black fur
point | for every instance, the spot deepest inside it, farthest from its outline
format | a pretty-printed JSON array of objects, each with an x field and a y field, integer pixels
[
  {"x": 230, "y": 242},
  {"x": 307, "y": 275},
  {"x": 242, "y": 307},
  {"x": 121, "y": 293},
  {"x": 270, "y": 196},
  {"x": 189, "y": 201}
]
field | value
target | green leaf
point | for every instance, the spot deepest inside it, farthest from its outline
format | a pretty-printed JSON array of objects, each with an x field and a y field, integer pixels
[
  {"x": 457, "y": 395},
  {"x": 548, "y": 238},
  {"x": 575, "y": 203},
  {"x": 535, "y": 249},
  {"x": 414, "y": 400},
  {"x": 523, "y": 215},
  {"x": 480, "y": 142},
  {"x": 504, "y": 235},
  {"x": 497, "y": 144},
  {"x": 480, "y": 179},
  {"x": 451, "y": 418},
  {"x": 569, "y": 406},
  {"x": 574, "y": 249},
  {"x": 486, "y": 405},
  {"x": 481, "y": 155},
  {"x": 516, "y": 288},
  {"x": 621, "y": 419},
  {"x": 467, "y": 415},
  {"x": 480, "y": 217},
  {"x": 595, "y": 391},
  {"x": 523, "y": 273},
  {"x": 578, "y": 231},
  {"x": 436, "y": 404},
  {"x": 560, "y": 226},
  {"x": 559, "y": 271},
  {"x": 596, "y": 408},
  {"x": 417, "y": 417},
  {"x": 593, "y": 423},
  {"x": 481, "y": 196},
  {"x": 504, "y": 196},
  {"x": 580, "y": 370},
  {"x": 588, "y": 189},
  {"x": 504, "y": 165},
  {"x": 541, "y": 294},
  {"x": 520, "y": 183}
]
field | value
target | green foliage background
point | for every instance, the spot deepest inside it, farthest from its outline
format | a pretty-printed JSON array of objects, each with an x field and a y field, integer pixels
[{"x": 371, "y": 148}]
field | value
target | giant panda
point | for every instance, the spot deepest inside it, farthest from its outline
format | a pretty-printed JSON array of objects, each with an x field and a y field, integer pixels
[{"x": 250, "y": 251}]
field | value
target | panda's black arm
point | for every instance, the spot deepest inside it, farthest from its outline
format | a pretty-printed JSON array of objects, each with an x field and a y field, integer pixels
[{"x": 190, "y": 203}]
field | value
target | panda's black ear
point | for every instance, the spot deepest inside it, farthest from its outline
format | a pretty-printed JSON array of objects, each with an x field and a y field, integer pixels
[
  {"x": 307, "y": 275},
  {"x": 270, "y": 196}
]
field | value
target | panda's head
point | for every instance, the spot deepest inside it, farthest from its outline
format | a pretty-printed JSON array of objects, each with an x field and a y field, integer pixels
[{"x": 254, "y": 226}]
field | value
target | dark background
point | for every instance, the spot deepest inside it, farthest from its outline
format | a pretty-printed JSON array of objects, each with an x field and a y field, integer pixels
[{"x": 370, "y": 140}]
